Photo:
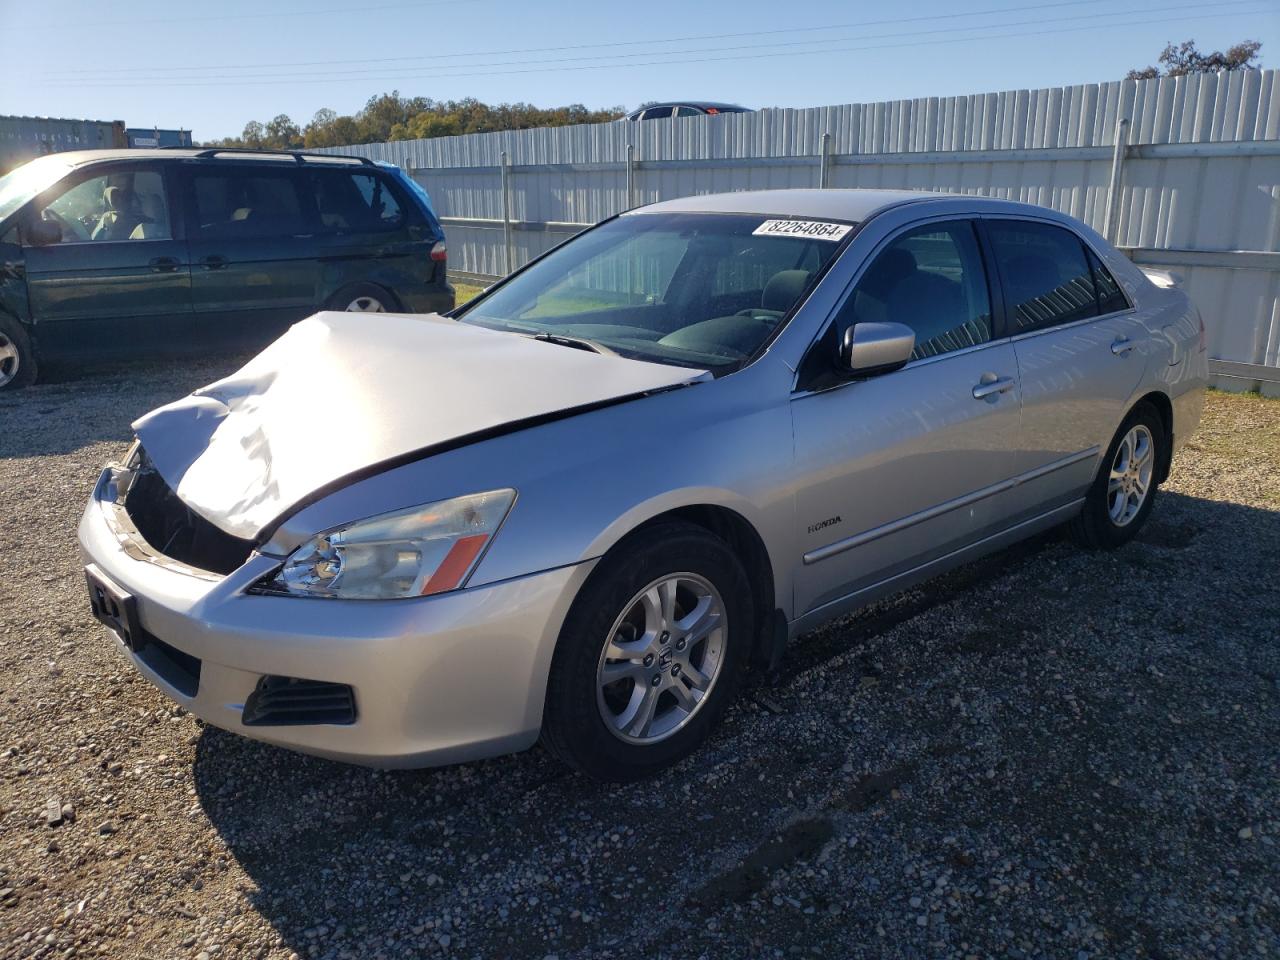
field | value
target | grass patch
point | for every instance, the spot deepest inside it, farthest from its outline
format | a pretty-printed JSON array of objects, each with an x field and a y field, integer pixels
[{"x": 466, "y": 291}]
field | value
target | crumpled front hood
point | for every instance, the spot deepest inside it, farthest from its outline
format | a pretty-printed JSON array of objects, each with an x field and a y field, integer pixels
[{"x": 343, "y": 392}]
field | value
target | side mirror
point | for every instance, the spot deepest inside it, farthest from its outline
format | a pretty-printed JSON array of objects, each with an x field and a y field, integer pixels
[
  {"x": 41, "y": 233},
  {"x": 871, "y": 348}
]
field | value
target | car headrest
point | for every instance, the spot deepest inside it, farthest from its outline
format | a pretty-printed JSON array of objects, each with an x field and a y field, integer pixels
[
  {"x": 784, "y": 289},
  {"x": 887, "y": 271}
]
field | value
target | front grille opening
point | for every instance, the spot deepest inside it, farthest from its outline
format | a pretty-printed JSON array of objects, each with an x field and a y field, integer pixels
[
  {"x": 180, "y": 670},
  {"x": 171, "y": 528},
  {"x": 288, "y": 701}
]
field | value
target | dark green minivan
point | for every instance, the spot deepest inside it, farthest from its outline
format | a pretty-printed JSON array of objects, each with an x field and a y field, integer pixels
[{"x": 160, "y": 251}]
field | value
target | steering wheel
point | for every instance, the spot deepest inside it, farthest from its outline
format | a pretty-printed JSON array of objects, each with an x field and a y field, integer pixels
[{"x": 68, "y": 227}]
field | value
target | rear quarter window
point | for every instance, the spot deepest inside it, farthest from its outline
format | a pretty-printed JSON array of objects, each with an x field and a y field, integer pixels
[{"x": 356, "y": 202}]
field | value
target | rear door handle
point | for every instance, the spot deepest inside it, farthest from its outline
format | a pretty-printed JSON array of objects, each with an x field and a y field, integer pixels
[
  {"x": 164, "y": 264},
  {"x": 1121, "y": 346},
  {"x": 213, "y": 262},
  {"x": 990, "y": 389}
]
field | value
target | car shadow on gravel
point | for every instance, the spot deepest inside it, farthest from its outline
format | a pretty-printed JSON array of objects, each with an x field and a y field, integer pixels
[
  {"x": 1022, "y": 734},
  {"x": 77, "y": 404}
]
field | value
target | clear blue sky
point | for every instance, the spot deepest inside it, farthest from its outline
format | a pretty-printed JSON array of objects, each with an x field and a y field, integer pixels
[{"x": 211, "y": 67}]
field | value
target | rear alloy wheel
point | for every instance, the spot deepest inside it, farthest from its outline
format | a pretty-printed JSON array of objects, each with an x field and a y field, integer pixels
[
  {"x": 1122, "y": 495},
  {"x": 650, "y": 655},
  {"x": 363, "y": 298},
  {"x": 17, "y": 363},
  {"x": 366, "y": 304},
  {"x": 1130, "y": 478}
]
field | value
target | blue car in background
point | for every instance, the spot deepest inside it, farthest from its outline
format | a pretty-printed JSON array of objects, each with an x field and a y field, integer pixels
[{"x": 159, "y": 251}]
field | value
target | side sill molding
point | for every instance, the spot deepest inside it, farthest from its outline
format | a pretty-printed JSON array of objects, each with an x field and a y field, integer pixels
[
  {"x": 895, "y": 526},
  {"x": 901, "y": 581}
]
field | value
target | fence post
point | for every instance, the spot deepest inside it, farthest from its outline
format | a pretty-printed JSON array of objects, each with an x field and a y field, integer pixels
[
  {"x": 824, "y": 162},
  {"x": 631, "y": 176},
  {"x": 508, "y": 257},
  {"x": 1111, "y": 219}
]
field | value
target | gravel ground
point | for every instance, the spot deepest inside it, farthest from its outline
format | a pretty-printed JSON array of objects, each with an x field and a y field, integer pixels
[{"x": 1047, "y": 753}]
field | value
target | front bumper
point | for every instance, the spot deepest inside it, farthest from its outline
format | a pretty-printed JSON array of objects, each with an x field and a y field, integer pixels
[{"x": 436, "y": 680}]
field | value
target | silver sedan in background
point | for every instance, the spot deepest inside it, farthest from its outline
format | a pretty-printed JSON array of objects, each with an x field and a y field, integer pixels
[{"x": 585, "y": 504}]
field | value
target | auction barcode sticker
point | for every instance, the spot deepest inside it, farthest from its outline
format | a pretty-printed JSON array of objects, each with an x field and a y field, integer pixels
[{"x": 813, "y": 229}]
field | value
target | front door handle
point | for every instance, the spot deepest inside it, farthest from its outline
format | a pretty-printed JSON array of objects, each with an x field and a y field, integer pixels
[
  {"x": 1121, "y": 346},
  {"x": 164, "y": 264},
  {"x": 213, "y": 262},
  {"x": 991, "y": 386}
]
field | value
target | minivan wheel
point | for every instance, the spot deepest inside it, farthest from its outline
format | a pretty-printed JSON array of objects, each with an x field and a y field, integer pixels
[
  {"x": 1124, "y": 491},
  {"x": 651, "y": 654},
  {"x": 362, "y": 298},
  {"x": 17, "y": 359}
]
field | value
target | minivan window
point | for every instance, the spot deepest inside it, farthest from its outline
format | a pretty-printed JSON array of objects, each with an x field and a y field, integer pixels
[
  {"x": 355, "y": 201},
  {"x": 1047, "y": 280},
  {"x": 20, "y": 185},
  {"x": 246, "y": 203},
  {"x": 117, "y": 205},
  {"x": 932, "y": 280}
]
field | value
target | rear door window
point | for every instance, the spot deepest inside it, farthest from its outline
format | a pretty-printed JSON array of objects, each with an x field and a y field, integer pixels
[
  {"x": 355, "y": 201},
  {"x": 1047, "y": 279},
  {"x": 247, "y": 203},
  {"x": 688, "y": 112}
]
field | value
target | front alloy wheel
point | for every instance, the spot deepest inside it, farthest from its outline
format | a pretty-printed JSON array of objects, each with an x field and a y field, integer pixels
[
  {"x": 662, "y": 658},
  {"x": 10, "y": 361},
  {"x": 651, "y": 653}
]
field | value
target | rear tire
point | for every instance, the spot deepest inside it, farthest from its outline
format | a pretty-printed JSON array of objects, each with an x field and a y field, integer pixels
[
  {"x": 667, "y": 613},
  {"x": 17, "y": 358},
  {"x": 363, "y": 298},
  {"x": 1123, "y": 493}
]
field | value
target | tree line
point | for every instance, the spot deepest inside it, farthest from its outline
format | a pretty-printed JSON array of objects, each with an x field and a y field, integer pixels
[{"x": 389, "y": 116}]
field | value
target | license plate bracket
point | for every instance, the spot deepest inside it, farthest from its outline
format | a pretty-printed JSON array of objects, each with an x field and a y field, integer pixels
[{"x": 115, "y": 608}]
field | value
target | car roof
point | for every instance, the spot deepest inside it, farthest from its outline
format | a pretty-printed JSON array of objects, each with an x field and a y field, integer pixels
[
  {"x": 855, "y": 205},
  {"x": 702, "y": 104},
  {"x": 852, "y": 205}
]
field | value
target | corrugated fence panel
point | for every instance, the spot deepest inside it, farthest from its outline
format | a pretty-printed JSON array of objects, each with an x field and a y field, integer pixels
[{"x": 1051, "y": 147}]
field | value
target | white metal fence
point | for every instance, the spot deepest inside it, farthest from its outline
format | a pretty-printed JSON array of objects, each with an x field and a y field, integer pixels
[{"x": 1182, "y": 173}]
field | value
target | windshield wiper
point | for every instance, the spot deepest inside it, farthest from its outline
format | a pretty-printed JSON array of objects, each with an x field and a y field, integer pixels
[{"x": 578, "y": 343}]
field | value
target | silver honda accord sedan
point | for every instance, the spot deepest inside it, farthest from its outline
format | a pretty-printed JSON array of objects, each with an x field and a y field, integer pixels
[{"x": 583, "y": 506}]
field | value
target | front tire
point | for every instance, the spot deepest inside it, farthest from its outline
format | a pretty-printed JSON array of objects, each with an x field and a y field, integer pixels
[
  {"x": 651, "y": 654},
  {"x": 17, "y": 359},
  {"x": 1122, "y": 495}
]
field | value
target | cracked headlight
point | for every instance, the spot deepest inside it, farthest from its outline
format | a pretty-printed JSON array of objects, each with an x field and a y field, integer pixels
[{"x": 409, "y": 553}]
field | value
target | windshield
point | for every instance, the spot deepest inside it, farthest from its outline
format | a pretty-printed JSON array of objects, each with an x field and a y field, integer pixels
[
  {"x": 693, "y": 289},
  {"x": 21, "y": 185}
]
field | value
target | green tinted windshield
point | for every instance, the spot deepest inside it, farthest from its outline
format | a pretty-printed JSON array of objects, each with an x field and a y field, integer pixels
[
  {"x": 694, "y": 289},
  {"x": 21, "y": 185}
]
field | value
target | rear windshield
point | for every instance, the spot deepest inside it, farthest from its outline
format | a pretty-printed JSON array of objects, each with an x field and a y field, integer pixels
[
  {"x": 692, "y": 289},
  {"x": 19, "y": 186}
]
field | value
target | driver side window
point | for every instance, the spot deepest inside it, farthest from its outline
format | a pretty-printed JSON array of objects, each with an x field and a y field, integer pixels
[
  {"x": 119, "y": 205},
  {"x": 932, "y": 280}
]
